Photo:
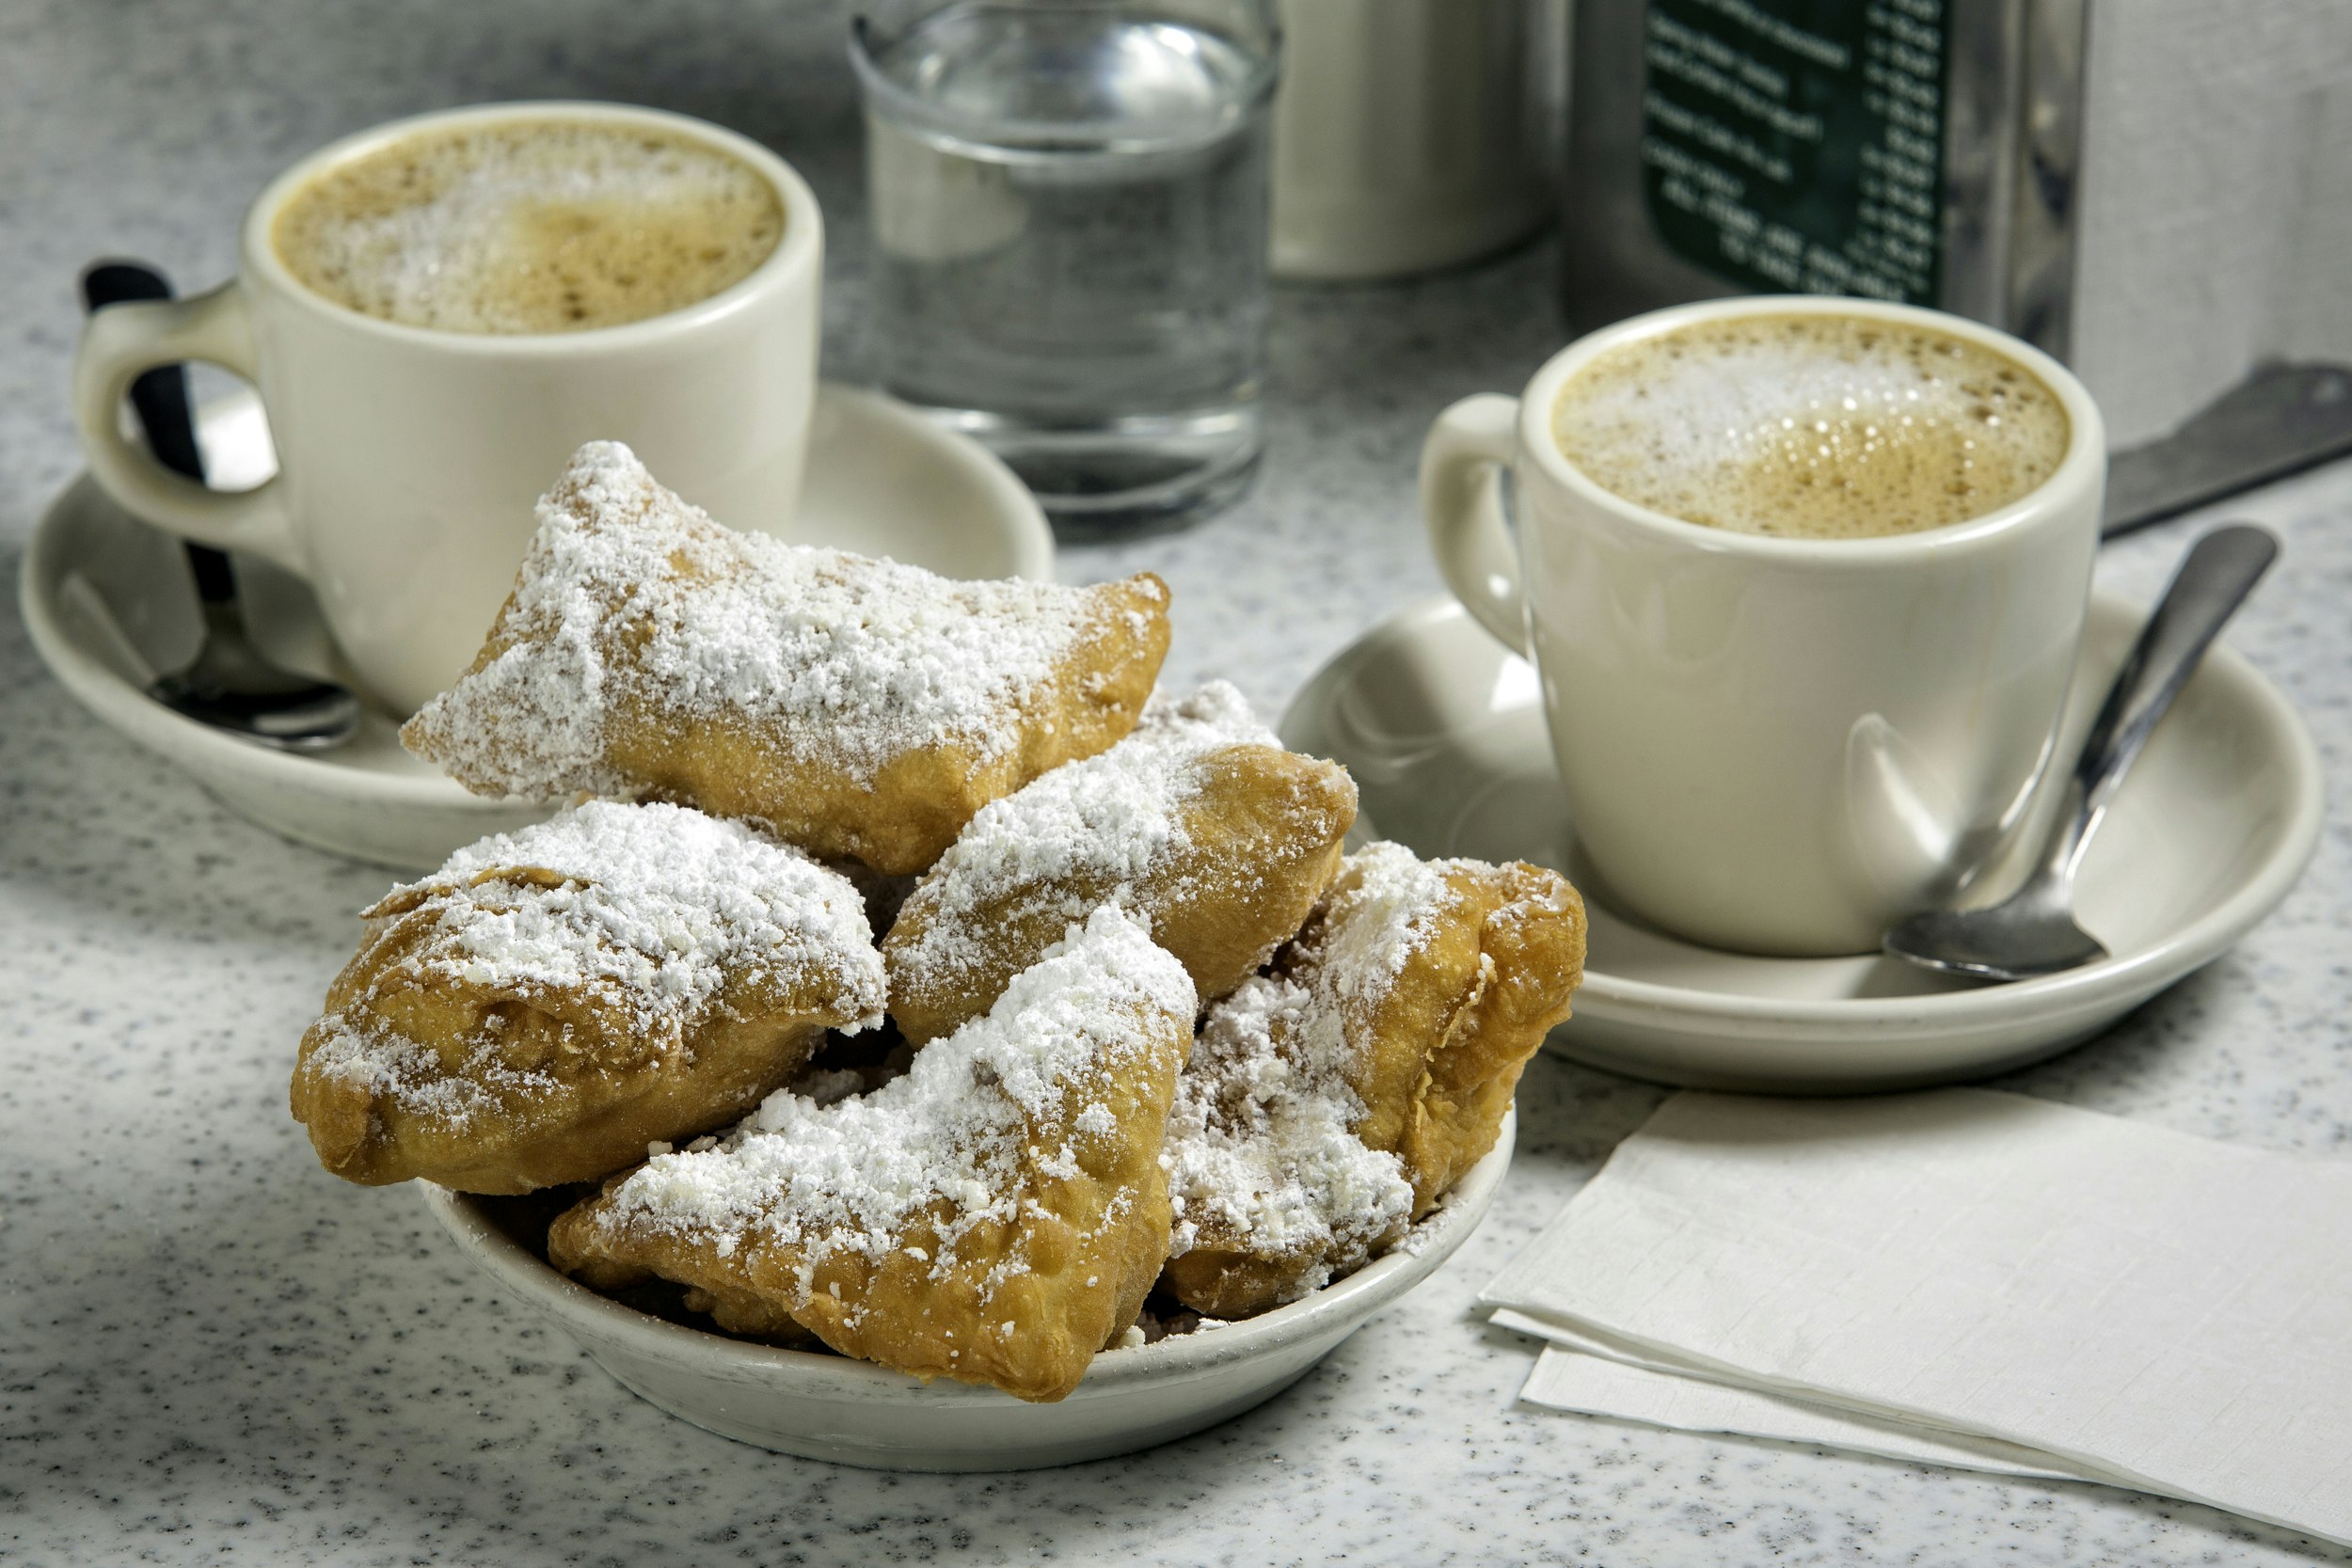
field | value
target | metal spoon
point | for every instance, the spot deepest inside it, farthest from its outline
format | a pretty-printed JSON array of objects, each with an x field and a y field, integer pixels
[
  {"x": 230, "y": 683},
  {"x": 2032, "y": 932}
]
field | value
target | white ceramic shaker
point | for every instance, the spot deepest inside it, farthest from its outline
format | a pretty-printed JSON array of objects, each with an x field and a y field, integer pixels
[{"x": 1414, "y": 135}]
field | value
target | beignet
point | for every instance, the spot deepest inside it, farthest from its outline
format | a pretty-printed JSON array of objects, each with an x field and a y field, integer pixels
[
  {"x": 551, "y": 1001},
  {"x": 860, "y": 708},
  {"x": 995, "y": 1216},
  {"x": 1198, "y": 823},
  {"x": 1332, "y": 1101}
]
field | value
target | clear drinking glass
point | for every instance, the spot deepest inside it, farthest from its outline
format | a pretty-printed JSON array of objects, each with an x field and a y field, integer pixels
[{"x": 1070, "y": 223}]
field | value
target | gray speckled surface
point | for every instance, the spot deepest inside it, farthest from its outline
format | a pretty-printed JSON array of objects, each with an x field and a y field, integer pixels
[{"x": 211, "y": 1352}]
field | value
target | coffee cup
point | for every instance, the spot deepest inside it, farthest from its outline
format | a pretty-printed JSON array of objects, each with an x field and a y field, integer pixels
[
  {"x": 1827, "y": 704},
  {"x": 412, "y": 437}
]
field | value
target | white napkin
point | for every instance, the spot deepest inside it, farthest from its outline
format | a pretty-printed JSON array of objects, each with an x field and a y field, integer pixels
[
  {"x": 1970, "y": 1279},
  {"x": 1576, "y": 1374}
]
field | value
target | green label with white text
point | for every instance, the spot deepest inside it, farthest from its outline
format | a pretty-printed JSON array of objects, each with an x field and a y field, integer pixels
[{"x": 1796, "y": 146}]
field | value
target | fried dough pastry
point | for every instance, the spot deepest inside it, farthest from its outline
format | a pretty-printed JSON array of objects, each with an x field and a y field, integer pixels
[
  {"x": 1329, "y": 1103},
  {"x": 1199, "y": 823},
  {"x": 996, "y": 1215},
  {"x": 860, "y": 708},
  {"x": 551, "y": 1001}
]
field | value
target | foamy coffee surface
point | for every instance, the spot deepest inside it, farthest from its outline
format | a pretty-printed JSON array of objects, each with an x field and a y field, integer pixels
[
  {"x": 1812, "y": 427},
  {"x": 530, "y": 226}
]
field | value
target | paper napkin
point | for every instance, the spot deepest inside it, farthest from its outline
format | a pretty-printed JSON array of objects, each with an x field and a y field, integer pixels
[
  {"x": 1595, "y": 1386},
  {"x": 1982, "y": 1278}
]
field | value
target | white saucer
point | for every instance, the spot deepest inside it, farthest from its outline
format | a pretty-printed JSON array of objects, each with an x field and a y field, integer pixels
[
  {"x": 1444, "y": 733},
  {"x": 109, "y": 601}
]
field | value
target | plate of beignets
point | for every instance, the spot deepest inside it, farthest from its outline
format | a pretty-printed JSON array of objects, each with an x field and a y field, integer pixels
[
  {"x": 553, "y": 999},
  {"x": 1170, "y": 1093},
  {"x": 820, "y": 1406},
  {"x": 858, "y": 707},
  {"x": 1199, "y": 822}
]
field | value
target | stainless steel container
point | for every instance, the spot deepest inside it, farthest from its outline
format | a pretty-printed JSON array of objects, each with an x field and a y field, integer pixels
[{"x": 1413, "y": 134}]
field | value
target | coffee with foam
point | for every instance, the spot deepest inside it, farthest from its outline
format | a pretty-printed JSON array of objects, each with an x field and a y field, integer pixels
[
  {"x": 1812, "y": 426},
  {"x": 529, "y": 225}
]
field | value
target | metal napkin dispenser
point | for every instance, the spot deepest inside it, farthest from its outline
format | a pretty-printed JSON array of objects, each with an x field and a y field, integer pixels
[{"x": 2157, "y": 192}]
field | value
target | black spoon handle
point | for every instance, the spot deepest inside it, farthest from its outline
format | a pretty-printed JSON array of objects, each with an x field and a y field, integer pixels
[{"x": 159, "y": 399}]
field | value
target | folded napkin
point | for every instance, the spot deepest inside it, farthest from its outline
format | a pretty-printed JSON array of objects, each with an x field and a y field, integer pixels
[
  {"x": 1964, "y": 1277},
  {"x": 1576, "y": 1374}
]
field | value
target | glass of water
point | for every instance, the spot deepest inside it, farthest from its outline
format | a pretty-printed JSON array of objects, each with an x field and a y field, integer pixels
[{"x": 1070, "y": 222}]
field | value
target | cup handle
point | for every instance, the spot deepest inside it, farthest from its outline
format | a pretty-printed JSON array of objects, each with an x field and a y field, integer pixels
[
  {"x": 124, "y": 341},
  {"x": 1461, "y": 503}
]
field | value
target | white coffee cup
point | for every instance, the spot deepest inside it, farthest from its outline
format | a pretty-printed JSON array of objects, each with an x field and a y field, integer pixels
[
  {"x": 409, "y": 458},
  {"x": 1770, "y": 744}
]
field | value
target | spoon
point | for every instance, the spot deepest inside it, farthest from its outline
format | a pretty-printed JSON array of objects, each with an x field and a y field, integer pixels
[
  {"x": 230, "y": 683},
  {"x": 2032, "y": 932}
]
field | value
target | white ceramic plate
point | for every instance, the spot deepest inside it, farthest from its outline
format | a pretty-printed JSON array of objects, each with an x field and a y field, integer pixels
[
  {"x": 109, "y": 602},
  {"x": 856, "y": 1413},
  {"x": 1444, "y": 733}
]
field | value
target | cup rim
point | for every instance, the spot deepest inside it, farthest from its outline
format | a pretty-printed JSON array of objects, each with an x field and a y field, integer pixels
[
  {"x": 2083, "y": 467},
  {"x": 799, "y": 252}
]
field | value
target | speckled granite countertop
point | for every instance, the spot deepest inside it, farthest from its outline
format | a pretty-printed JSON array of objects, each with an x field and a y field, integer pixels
[{"x": 211, "y": 1351}]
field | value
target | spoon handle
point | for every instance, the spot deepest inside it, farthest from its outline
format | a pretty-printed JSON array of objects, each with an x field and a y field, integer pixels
[
  {"x": 2219, "y": 571},
  {"x": 159, "y": 399}
]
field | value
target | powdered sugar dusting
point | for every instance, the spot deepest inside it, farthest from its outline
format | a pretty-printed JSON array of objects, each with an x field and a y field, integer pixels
[
  {"x": 1111, "y": 818},
  {"x": 1214, "y": 714},
  {"x": 651, "y": 914},
  {"x": 853, "y": 661},
  {"x": 948, "y": 1142},
  {"x": 1261, "y": 1149},
  {"x": 358, "y": 1050},
  {"x": 1387, "y": 903},
  {"x": 657, "y": 907}
]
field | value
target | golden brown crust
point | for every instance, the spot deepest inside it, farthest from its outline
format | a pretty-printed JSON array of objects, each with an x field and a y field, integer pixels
[
  {"x": 749, "y": 1317},
  {"x": 1232, "y": 1283},
  {"x": 1499, "y": 994},
  {"x": 1434, "y": 989},
  {"x": 900, "y": 818},
  {"x": 1018, "y": 1286},
  {"x": 432, "y": 1061},
  {"x": 1261, "y": 833},
  {"x": 860, "y": 708},
  {"x": 558, "y": 1120}
]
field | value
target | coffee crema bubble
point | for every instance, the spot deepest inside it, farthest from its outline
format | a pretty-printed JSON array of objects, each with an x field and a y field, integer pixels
[
  {"x": 1809, "y": 426},
  {"x": 529, "y": 226}
]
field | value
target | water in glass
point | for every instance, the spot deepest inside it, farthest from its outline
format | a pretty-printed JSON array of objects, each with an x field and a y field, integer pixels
[{"x": 1070, "y": 210}]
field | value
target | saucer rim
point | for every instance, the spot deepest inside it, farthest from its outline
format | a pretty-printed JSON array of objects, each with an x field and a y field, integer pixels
[
  {"x": 190, "y": 744},
  {"x": 2072, "y": 994}
]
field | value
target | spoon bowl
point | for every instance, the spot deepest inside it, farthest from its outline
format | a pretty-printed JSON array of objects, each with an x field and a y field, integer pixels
[
  {"x": 2021, "y": 939},
  {"x": 231, "y": 686},
  {"x": 2032, "y": 932}
]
